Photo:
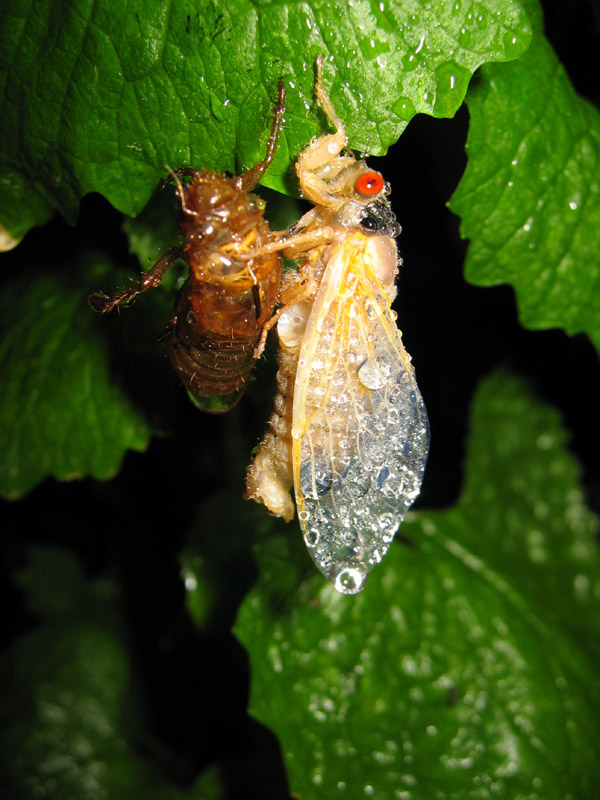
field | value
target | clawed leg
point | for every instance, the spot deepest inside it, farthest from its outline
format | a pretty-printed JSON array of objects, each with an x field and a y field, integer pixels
[
  {"x": 252, "y": 177},
  {"x": 269, "y": 324},
  {"x": 103, "y": 303}
]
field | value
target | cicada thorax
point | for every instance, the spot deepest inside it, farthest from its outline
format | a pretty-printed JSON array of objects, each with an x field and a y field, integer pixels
[{"x": 222, "y": 308}]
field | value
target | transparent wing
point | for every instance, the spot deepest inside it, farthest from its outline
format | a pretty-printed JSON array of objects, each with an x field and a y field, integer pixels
[{"x": 360, "y": 428}]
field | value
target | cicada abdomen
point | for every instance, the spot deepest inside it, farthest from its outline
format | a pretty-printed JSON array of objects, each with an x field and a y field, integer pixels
[
  {"x": 270, "y": 475},
  {"x": 229, "y": 295},
  {"x": 349, "y": 430}
]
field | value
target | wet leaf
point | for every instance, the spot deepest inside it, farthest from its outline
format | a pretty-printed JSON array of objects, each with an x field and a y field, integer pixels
[
  {"x": 70, "y": 708},
  {"x": 61, "y": 411},
  {"x": 129, "y": 89},
  {"x": 468, "y": 666},
  {"x": 530, "y": 197}
]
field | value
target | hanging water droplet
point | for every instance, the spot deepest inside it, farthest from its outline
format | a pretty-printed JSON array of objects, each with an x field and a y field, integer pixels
[{"x": 350, "y": 578}]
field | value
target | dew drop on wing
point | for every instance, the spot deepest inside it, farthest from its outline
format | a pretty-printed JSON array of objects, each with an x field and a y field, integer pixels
[
  {"x": 382, "y": 477},
  {"x": 315, "y": 478},
  {"x": 374, "y": 373},
  {"x": 357, "y": 480}
]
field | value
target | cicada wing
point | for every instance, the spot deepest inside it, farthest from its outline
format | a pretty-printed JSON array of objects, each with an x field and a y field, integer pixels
[{"x": 360, "y": 428}]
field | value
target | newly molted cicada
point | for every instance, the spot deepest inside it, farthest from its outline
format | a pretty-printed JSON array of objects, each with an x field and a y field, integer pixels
[
  {"x": 349, "y": 428},
  {"x": 229, "y": 295}
]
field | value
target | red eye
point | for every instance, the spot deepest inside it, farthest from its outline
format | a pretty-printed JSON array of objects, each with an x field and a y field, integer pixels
[{"x": 369, "y": 183}]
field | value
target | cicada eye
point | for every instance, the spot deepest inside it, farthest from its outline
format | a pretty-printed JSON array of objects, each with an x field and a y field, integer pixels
[{"x": 369, "y": 184}]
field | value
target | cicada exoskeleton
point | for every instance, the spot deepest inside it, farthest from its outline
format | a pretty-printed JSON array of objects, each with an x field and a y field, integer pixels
[{"x": 229, "y": 295}]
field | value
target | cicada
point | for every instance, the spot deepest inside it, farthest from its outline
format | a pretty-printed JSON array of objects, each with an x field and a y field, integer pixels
[
  {"x": 349, "y": 428},
  {"x": 229, "y": 295}
]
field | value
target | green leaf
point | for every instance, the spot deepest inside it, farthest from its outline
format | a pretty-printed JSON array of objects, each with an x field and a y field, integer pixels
[
  {"x": 468, "y": 666},
  {"x": 100, "y": 96},
  {"x": 61, "y": 411},
  {"x": 530, "y": 197},
  {"x": 70, "y": 700}
]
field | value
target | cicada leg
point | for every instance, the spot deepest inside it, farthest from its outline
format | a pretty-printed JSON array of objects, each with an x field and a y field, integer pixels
[
  {"x": 298, "y": 285},
  {"x": 104, "y": 303},
  {"x": 323, "y": 154},
  {"x": 251, "y": 178}
]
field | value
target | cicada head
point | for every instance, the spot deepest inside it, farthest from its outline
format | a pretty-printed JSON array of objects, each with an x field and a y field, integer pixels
[{"x": 360, "y": 201}]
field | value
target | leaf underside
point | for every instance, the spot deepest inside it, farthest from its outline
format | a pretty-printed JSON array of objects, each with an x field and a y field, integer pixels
[{"x": 100, "y": 96}]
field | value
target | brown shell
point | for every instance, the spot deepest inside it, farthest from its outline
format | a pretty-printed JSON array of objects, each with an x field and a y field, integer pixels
[{"x": 222, "y": 308}]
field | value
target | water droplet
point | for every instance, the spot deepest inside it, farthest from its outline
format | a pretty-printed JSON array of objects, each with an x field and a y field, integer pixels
[
  {"x": 410, "y": 62},
  {"x": 190, "y": 581},
  {"x": 481, "y": 20},
  {"x": 311, "y": 537},
  {"x": 465, "y": 38},
  {"x": 292, "y": 323},
  {"x": 374, "y": 373},
  {"x": 373, "y": 47},
  {"x": 404, "y": 108},
  {"x": 217, "y": 107},
  {"x": 382, "y": 477},
  {"x": 452, "y": 81},
  {"x": 512, "y": 45},
  {"x": 315, "y": 480},
  {"x": 397, "y": 395},
  {"x": 350, "y": 578}
]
